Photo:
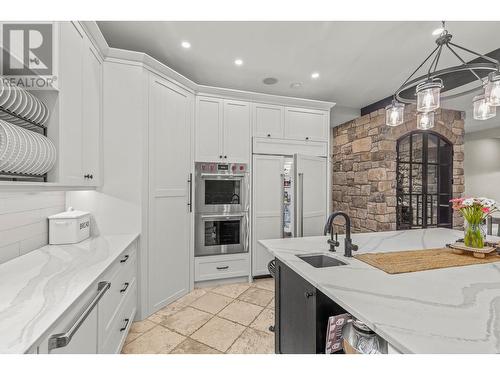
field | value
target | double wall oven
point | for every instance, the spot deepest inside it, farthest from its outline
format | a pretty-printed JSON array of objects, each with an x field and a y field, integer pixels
[{"x": 221, "y": 208}]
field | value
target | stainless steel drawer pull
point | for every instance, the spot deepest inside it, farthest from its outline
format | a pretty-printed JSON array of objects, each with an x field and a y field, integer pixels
[
  {"x": 63, "y": 339},
  {"x": 223, "y": 268},
  {"x": 124, "y": 259},
  {"x": 125, "y": 287},
  {"x": 125, "y": 326}
]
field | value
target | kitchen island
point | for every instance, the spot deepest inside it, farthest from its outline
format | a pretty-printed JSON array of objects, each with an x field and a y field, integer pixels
[{"x": 449, "y": 310}]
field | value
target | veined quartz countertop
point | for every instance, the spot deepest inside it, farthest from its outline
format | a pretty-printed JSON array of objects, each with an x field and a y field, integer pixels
[
  {"x": 37, "y": 288},
  {"x": 449, "y": 310}
]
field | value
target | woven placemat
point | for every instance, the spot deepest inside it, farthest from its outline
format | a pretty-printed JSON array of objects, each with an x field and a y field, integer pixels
[{"x": 422, "y": 260}]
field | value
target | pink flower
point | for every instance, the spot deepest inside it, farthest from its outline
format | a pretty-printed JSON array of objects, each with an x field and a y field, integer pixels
[{"x": 485, "y": 210}]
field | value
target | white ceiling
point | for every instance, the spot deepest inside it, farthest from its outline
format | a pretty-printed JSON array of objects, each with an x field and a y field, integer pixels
[{"x": 359, "y": 62}]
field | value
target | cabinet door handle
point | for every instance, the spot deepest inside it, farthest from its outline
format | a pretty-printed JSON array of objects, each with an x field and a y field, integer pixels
[
  {"x": 220, "y": 156},
  {"x": 124, "y": 259},
  {"x": 269, "y": 135},
  {"x": 63, "y": 339},
  {"x": 223, "y": 268},
  {"x": 190, "y": 204},
  {"x": 308, "y": 294},
  {"x": 125, "y": 287},
  {"x": 225, "y": 156},
  {"x": 307, "y": 138},
  {"x": 125, "y": 326}
]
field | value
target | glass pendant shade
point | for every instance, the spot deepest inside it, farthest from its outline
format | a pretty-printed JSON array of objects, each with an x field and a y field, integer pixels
[
  {"x": 482, "y": 109},
  {"x": 492, "y": 89},
  {"x": 425, "y": 120},
  {"x": 428, "y": 95},
  {"x": 394, "y": 114}
]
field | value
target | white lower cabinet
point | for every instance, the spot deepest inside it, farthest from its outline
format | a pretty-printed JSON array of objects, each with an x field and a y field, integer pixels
[
  {"x": 221, "y": 266},
  {"x": 76, "y": 332},
  {"x": 100, "y": 319}
]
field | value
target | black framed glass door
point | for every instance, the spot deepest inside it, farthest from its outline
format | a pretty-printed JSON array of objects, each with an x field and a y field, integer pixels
[{"x": 424, "y": 181}]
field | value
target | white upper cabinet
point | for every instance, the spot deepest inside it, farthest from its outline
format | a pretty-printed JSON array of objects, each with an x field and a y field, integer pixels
[
  {"x": 79, "y": 123},
  {"x": 91, "y": 126},
  {"x": 306, "y": 124},
  {"x": 208, "y": 129},
  {"x": 236, "y": 136},
  {"x": 222, "y": 130},
  {"x": 70, "y": 154},
  {"x": 268, "y": 121}
]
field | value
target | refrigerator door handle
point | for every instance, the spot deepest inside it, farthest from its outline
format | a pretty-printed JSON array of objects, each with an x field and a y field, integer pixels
[
  {"x": 301, "y": 204},
  {"x": 282, "y": 205}
]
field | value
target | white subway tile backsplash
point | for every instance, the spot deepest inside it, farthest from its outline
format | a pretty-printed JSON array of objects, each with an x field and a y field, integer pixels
[{"x": 23, "y": 221}]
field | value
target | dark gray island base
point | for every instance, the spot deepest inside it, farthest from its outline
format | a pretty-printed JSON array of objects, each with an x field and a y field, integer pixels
[{"x": 301, "y": 315}]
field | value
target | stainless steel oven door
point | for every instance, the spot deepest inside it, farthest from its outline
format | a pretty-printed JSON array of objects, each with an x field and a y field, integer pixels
[
  {"x": 216, "y": 193},
  {"x": 221, "y": 234}
]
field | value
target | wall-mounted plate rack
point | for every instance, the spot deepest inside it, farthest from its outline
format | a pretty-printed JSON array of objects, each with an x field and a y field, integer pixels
[{"x": 28, "y": 124}]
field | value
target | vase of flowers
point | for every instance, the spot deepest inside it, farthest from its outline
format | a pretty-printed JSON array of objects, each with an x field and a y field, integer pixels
[{"x": 475, "y": 211}]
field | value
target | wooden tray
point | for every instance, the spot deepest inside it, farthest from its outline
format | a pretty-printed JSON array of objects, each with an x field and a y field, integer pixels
[
  {"x": 422, "y": 260},
  {"x": 460, "y": 248}
]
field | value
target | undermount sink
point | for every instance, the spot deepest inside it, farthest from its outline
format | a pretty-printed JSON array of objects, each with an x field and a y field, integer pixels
[{"x": 321, "y": 261}]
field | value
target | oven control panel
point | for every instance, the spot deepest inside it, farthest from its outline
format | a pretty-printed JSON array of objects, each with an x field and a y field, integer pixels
[{"x": 221, "y": 167}]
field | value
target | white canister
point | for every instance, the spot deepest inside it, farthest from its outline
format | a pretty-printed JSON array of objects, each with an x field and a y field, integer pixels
[{"x": 69, "y": 227}]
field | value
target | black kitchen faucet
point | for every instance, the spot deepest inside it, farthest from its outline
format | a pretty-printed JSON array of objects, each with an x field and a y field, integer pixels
[{"x": 349, "y": 247}]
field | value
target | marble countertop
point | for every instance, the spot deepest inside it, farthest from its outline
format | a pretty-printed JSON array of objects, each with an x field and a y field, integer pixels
[
  {"x": 449, "y": 310},
  {"x": 37, "y": 288}
]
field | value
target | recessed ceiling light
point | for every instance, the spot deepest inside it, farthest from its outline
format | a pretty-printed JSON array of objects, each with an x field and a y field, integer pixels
[
  {"x": 438, "y": 31},
  {"x": 186, "y": 44},
  {"x": 296, "y": 85},
  {"x": 270, "y": 81},
  {"x": 238, "y": 62},
  {"x": 315, "y": 75}
]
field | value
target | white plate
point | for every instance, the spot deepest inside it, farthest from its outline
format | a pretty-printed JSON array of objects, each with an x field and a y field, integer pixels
[
  {"x": 29, "y": 106},
  {"x": 11, "y": 151},
  {"x": 12, "y": 98},
  {"x": 47, "y": 114},
  {"x": 54, "y": 155},
  {"x": 38, "y": 112},
  {"x": 5, "y": 144},
  {"x": 21, "y": 145},
  {"x": 41, "y": 156},
  {"x": 24, "y": 104},
  {"x": 4, "y": 97},
  {"x": 44, "y": 156},
  {"x": 32, "y": 151},
  {"x": 19, "y": 99},
  {"x": 26, "y": 148},
  {"x": 32, "y": 111},
  {"x": 50, "y": 158},
  {"x": 28, "y": 157}
]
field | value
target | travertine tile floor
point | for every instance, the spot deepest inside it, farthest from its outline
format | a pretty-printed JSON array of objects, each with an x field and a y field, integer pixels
[{"x": 231, "y": 318}]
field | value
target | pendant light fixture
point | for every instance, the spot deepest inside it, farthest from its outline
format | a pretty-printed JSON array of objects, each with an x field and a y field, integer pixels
[
  {"x": 428, "y": 95},
  {"x": 482, "y": 108},
  {"x": 492, "y": 89},
  {"x": 425, "y": 120},
  {"x": 429, "y": 88},
  {"x": 394, "y": 113}
]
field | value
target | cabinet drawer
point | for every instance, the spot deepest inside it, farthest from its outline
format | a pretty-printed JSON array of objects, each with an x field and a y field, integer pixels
[
  {"x": 221, "y": 267},
  {"x": 121, "y": 323},
  {"x": 122, "y": 276}
]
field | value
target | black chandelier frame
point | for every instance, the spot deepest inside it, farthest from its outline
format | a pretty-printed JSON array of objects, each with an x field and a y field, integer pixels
[{"x": 444, "y": 41}]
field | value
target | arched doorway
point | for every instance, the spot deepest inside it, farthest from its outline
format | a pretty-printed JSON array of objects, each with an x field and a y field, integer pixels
[{"x": 424, "y": 174}]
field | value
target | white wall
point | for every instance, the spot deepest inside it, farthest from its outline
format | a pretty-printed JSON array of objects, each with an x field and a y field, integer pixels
[
  {"x": 23, "y": 221},
  {"x": 482, "y": 164}
]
